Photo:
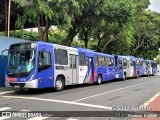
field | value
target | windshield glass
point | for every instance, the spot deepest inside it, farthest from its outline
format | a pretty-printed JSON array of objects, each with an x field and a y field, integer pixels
[{"x": 21, "y": 61}]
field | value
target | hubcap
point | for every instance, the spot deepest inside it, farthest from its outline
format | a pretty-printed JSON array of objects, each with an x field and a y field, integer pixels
[
  {"x": 59, "y": 84},
  {"x": 99, "y": 79}
]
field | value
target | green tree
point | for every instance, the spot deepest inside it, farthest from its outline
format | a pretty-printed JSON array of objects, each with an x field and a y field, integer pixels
[
  {"x": 44, "y": 13},
  {"x": 146, "y": 34}
]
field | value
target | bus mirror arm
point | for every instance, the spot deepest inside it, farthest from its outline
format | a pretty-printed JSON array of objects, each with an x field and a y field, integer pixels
[{"x": 3, "y": 52}]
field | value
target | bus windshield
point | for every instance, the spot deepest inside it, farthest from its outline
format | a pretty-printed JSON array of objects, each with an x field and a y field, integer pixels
[{"x": 21, "y": 61}]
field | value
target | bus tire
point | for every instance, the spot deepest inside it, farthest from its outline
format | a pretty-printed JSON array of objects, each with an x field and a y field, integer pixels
[
  {"x": 99, "y": 81},
  {"x": 124, "y": 77},
  {"x": 59, "y": 84}
]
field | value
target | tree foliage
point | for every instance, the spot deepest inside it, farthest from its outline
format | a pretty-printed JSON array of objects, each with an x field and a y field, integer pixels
[{"x": 117, "y": 27}]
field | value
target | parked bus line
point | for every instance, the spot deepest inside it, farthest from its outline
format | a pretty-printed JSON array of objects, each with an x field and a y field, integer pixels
[{"x": 43, "y": 65}]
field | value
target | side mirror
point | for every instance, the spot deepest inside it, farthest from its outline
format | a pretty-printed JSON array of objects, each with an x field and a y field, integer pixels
[{"x": 3, "y": 52}]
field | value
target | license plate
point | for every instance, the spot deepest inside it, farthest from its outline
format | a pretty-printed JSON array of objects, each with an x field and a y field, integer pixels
[{"x": 16, "y": 86}]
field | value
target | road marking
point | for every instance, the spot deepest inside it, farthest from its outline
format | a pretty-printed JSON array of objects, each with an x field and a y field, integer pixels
[
  {"x": 72, "y": 119},
  {"x": 6, "y": 92},
  {"x": 4, "y": 118},
  {"x": 111, "y": 91},
  {"x": 4, "y": 108},
  {"x": 150, "y": 100},
  {"x": 38, "y": 118},
  {"x": 26, "y": 110},
  {"x": 61, "y": 101}
]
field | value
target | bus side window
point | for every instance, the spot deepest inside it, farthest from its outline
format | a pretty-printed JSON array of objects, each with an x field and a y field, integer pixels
[
  {"x": 44, "y": 61},
  {"x": 120, "y": 64},
  {"x": 125, "y": 62},
  {"x": 131, "y": 63},
  {"x": 101, "y": 61},
  {"x": 107, "y": 60},
  {"x": 96, "y": 60},
  {"x": 111, "y": 62},
  {"x": 82, "y": 59},
  {"x": 61, "y": 57}
]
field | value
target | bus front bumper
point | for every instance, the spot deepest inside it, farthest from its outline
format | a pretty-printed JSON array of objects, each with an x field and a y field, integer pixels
[{"x": 28, "y": 84}]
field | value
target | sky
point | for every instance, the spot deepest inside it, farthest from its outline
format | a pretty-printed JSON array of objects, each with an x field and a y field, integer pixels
[{"x": 155, "y": 5}]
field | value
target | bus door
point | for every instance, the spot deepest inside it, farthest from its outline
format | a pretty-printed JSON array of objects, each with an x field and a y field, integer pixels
[
  {"x": 45, "y": 71},
  {"x": 131, "y": 68},
  {"x": 90, "y": 70},
  {"x": 73, "y": 60},
  {"x": 128, "y": 68},
  {"x": 150, "y": 67},
  {"x": 134, "y": 68}
]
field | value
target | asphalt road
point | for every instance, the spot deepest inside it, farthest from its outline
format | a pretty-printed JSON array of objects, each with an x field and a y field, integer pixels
[{"x": 113, "y": 95}]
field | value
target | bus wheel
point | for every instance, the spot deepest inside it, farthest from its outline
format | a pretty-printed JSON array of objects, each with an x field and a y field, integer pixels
[
  {"x": 124, "y": 76},
  {"x": 99, "y": 80},
  {"x": 59, "y": 84}
]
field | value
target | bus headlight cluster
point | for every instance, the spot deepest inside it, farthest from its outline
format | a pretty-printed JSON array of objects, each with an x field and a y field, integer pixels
[{"x": 32, "y": 77}]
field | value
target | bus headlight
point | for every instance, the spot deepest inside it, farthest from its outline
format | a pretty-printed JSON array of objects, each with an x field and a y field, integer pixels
[{"x": 32, "y": 77}]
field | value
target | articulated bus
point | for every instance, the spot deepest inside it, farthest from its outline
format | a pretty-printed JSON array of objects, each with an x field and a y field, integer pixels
[{"x": 44, "y": 65}]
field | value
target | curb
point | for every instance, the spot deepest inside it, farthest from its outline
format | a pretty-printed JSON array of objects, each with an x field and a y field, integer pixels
[
  {"x": 150, "y": 100},
  {"x": 6, "y": 92},
  {"x": 147, "y": 104}
]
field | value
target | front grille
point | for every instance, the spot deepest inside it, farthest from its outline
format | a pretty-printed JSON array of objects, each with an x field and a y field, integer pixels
[{"x": 17, "y": 84}]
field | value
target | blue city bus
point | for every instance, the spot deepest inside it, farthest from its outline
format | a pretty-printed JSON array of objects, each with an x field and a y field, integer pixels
[
  {"x": 150, "y": 67},
  {"x": 44, "y": 65},
  {"x": 139, "y": 67},
  {"x": 41, "y": 65}
]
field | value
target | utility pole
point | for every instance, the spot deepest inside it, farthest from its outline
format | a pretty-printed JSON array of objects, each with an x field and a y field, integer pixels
[
  {"x": 9, "y": 12},
  {"x": 6, "y": 17}
]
